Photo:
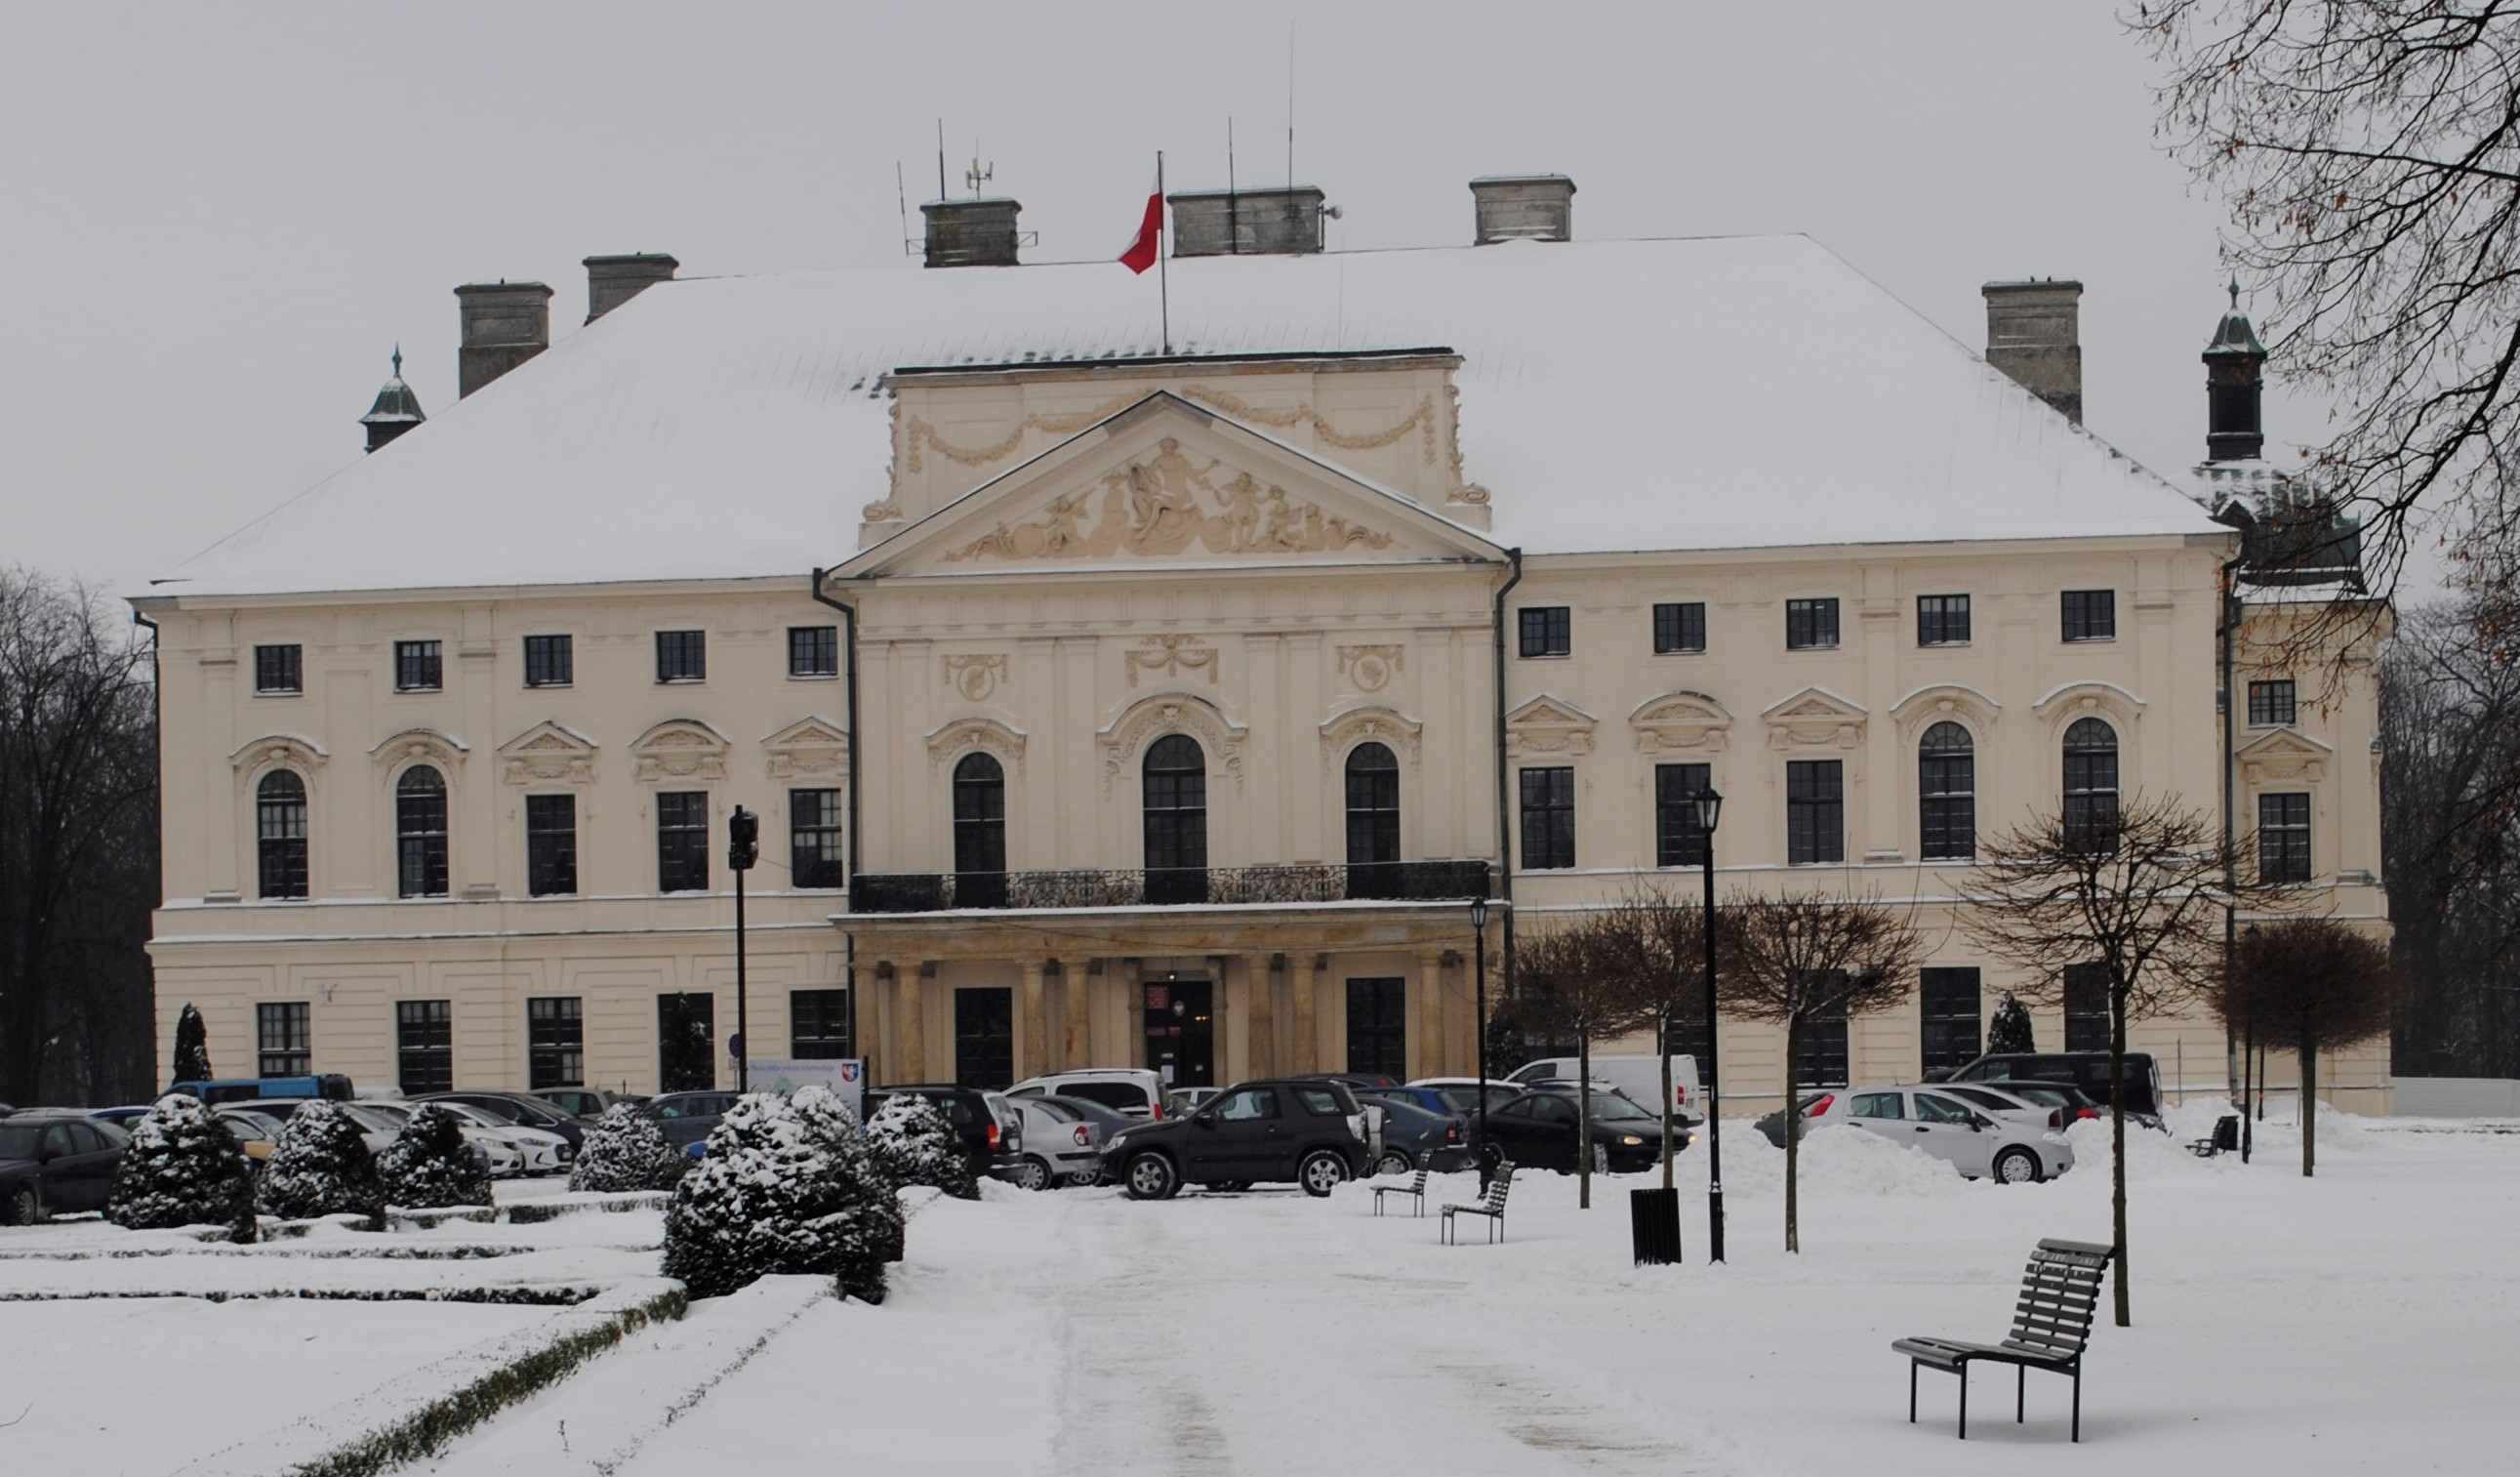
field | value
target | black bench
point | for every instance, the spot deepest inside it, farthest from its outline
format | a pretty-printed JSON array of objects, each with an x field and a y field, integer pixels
[
  {"x": 2050, "y": 1324},
  {"x": 1491, "y": 1204},
  {"x": 2225, "y": 1139},
  {"x": 1415, "y": 1189}
]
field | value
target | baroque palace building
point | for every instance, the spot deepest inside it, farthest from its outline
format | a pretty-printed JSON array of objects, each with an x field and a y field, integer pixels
[{"x": 1123, "y": 690}]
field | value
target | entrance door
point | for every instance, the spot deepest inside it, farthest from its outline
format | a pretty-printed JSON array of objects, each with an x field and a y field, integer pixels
[
  {"x": 984, "y": 1037},
  {"x": 686, "y": 1042},
  {"x": 1181, "y": 1033},
  {"x": 1377, "y": 1027}
]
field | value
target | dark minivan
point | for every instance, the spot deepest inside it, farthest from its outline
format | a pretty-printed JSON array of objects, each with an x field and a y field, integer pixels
[{"x": 2086, "y": 1069}]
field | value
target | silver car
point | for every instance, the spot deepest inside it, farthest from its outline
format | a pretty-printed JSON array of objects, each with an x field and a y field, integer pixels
[
  {"x": 1980, "y": 1145},
  {"x": 1062, "y": 1144}
]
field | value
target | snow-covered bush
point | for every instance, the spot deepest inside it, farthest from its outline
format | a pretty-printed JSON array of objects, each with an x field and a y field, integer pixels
[
  {"x": 626, "y": 1150},
  {"x": 322, "y": 1167},
  {"x": 770, "y": 1196},
  {"x": 912, "y": 1144},
  {"x": 832, "y": 1125},
  {"x": 183, "y": 1168},
  {"x": 429, "y": 1163}
]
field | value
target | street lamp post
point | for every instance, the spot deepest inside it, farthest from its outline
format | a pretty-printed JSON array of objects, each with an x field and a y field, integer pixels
[
  {"x": 1710, "y": 809},
  {"x": 742, "y": 848},
  {"x": 1479, "y": 969}
]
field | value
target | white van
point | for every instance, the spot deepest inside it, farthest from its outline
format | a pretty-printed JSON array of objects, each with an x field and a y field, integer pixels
[
  {"x": 1134, "y": 1090},
  {"x": 1639, "y": 1078}
]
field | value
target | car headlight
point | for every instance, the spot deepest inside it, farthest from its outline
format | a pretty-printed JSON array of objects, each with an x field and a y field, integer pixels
[{"x": 1630, "y": 1140}]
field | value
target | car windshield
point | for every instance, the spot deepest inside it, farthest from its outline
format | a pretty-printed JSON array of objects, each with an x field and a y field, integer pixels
[
  {"x": 18, "y": 1140},
  {"x": 2044, "y": 1096},
  {"x": 474, "y": 1116},
  {"x": 1609, "y": 1107}
]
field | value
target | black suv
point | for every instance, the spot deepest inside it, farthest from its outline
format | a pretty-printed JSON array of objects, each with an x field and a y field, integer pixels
[
  {"x": 2086, "y": 1069},
  {"x": 995, "y": 1146},
  {"x": 1305, "y": 1132}
]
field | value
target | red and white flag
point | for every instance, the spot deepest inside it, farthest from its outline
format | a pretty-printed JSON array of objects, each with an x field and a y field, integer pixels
[{"x": 1145, "y": 251}]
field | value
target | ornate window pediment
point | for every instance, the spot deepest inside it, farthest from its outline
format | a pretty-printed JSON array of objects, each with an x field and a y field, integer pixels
[
  {"x": 2287, "y": 754},
  {"x": 293, "y": 749},
  {"x": 1370, "y": 723},
  {"x": 548, "y": 753},
  {"x": 810, "y": 748},
  {"x": 1940, "y": 701},
  {"x": 1814, "y": 718},
  {"x": 680, "y": 748},
  {"x": 1547, "y": 723},
  {"x": 961, "y": 736},
  {"x": 1151, "y": 718},
  {"x": 427, "y": 746},
  {"x": 1681, "y": 721}
]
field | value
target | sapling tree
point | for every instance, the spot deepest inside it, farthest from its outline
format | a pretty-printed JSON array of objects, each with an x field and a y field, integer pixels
[
  {"x": 430, "y": 1165},
  {"x": 182, "y": 1168},
  {"x": 1568, "y": 986},
  {"x": 2317, "y": 983},
  {"x": 1655, "y": 943}
]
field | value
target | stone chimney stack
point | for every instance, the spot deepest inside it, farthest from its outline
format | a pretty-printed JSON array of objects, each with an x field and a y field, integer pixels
[
  {"x": 2034, "y": 333},
  {"x": 1524, "y": 208},
  {"x": 612, "y": 281},
  {"x": 1280, "y": 221},
  {"x": 505, "y": 324},
  {"x": 971, "y": 232}
]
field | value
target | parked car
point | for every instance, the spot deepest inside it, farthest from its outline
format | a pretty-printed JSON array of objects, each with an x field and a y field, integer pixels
[
  {"x": 1639, "y": 1077},
  {"x": 1811, "y": 1105},
  {"x": 1979, "y": 1145},
  {"x": 1409, "y": 1129},
  {"x": 2046, "y": 1103},
  {"x": 2077, "y": 1103},
  {"x": 1304, "y": 1131},
  {"x": 230, "y": 1089},
  {"x": 1540, "y": 1129},
  {"x": 541, "y": 1151},
  {"x": 257, "y": 1133},
  {"x": 2086, "y": 1069},
  {"x": 585, "y": 1102},
  {"x": 688, "y": 1117},
  {"x": 523, "y": 1109},
  {"x": 1061, "y": 1144},
  {"x": 1460, "y": 1094},
  {"x": 122, "y": 1118},
  {"x": 1138, "y": 1092},
  {"x": 1356, "y": 1082},
  {"x": 56, "y": 1161},
  {"x": 992, "y": 1132}
]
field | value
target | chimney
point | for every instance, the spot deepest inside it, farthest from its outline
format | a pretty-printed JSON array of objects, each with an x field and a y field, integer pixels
[
  {"x": 505, "y": 324},
  {"x": 971, "y": 232},
  {"x": 612, "y": 281},
  {"x": 1285, "y": 221},
  {"x": 1524, "y": 208},
  {"x": 2034, "y": 333}
]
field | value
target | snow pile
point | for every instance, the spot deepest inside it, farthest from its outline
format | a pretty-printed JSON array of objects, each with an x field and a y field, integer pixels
[
  {"x": 626, "y": 1150},
  {"x": 429, "y": 1163},
  {"x": 912, "y": 1144},
  {"x": 1838, "y": 1159},
  {"x": 773, "y": 1195},
  {"x": 183, "y": 1168},
  {"x": 322, "y": 1167}
]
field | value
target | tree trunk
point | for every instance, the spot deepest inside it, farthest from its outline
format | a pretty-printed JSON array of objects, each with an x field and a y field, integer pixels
[
  {"x": 1662, "y": 1038},
  {"x": 1584, "y": 1120},
  {"x": 1793, "y": 1134},
  {"x": 2117, "y": 1148},
  {"x": 2309, "y": 1109}
]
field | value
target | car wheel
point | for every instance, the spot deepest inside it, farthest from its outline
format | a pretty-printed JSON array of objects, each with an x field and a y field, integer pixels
[
  {"x": 2017, "y": 1165},
  {"x": 1321, "y": 1171},
  {"x": 25, "y": 1208},
  {"x": 1151, "y": 1176},
  {"x": 1393, "y": 1162},
  {"x": 1035, "y": 1174}
]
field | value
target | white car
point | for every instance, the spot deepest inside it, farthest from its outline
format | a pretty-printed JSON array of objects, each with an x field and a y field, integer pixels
[
  {"x": 501, "y": 1158},
  {"x": 2007, "y": 1149},
  {"x": 543, "y": 1151},
  {"x": 1637, "y": 1077},
  {"x": 1134, "y": 1090}
]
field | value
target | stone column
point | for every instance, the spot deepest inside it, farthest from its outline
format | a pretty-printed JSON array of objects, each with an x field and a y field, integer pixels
[
  {"x": 1307, "y": 1054},
  {"x": 910, "y": 1054},
  {"x": 1264, "y": 1014},
  {"x": 1075, "y": 981},
  {"x": 1031, "y": 1026},
  {"x": 1132, "y": 975},
  {"x": 1426, "y": 1051}
]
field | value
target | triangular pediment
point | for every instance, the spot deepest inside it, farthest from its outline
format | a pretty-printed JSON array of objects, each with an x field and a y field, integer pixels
[
  {"x": 1815, "y": 718},
  {"x": 1166, "y": 483},
  {"x": 1546, "y": 723},
  {"x": 548, "y": 753},
  {"x": 2286, "y": 754}
]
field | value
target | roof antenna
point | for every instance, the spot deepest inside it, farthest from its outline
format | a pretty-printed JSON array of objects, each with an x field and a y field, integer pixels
[
  {"x": 901, "y": 196},
  {"x": 1290, "y": 104},
  {"x": 979, "y": 174},
  {"x": 1233, "y": 204},
  {"x": 940, "y": 159}
]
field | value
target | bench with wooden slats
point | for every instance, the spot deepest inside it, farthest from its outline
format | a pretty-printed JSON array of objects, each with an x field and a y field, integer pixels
[
  {"x": 2052, "y": 1322},
  {"x": 1490, "y": 1204},
  {"x": 1415, "y": 1189}
]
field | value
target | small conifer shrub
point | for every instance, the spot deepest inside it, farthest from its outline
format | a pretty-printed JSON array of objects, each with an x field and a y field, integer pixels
[
  {"x": 182, "y": 1168},
  {"x": 626, "y": 1150},
  {"x": 2009, "y": 1030},
  {"x": 772, "y": 1196},
  {"x": 322, "y": 1167},
  {"x": 913, "y": 1144},
  {"x": 430, "y": 1165}
]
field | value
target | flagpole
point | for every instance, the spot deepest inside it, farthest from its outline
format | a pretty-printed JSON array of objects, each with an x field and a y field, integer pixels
[{"x": 1164, "y": 278}]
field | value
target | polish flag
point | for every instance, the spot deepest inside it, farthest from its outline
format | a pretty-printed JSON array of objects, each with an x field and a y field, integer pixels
[{"x": 1144, "y": 252}]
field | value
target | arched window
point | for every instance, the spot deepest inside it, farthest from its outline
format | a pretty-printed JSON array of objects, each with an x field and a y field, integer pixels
[
  {"x": 280, "y": 834},
  {"x": 420, "y": 832},
  {"x": 1947, "y": 793},
  {"x": 1176, "y": 811},
  {"x": 2091, "y": 786},
  {"x": 1372, "y": 822},
  {"x": 980, "y": 832}
]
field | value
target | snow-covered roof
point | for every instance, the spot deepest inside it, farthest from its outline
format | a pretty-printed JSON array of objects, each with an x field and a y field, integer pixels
[{"x": 1720, "y": 393}]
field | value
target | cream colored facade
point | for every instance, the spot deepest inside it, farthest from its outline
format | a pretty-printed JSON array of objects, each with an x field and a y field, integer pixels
[{"x": 1281, "y": 561}]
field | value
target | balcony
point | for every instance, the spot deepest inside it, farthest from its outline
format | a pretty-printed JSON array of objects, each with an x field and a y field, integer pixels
[{"x": 1174, "y": 887}]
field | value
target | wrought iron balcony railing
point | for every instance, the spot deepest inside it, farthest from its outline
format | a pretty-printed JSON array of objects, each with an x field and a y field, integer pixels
[{"x": 1394, "y": 881}]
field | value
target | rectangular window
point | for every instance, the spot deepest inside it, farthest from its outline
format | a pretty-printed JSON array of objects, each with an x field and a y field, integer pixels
[
  {"x": 2271, "y": 704},
  {"x": 1814, "y": 812},
  {"x": 1811, "y": 623},
  {"x": 418, "y": 667},
  {"x": 551, "y": 845},
  {"x": 2087, "y": 1007},
  {"x": 1947, "y": 1001},
  {"x": 2091, "y": 615},
  {"x": 1680, "y": 627},
  {"x": 1377, "y": 1027},
  {"x": 1819, "y": 1057},
  {"x": 1677, "y": 840},
  {"x": 550, "y": 661},
  {"x": 813, "y": 853},
  {"x": 1548, "y": 818},
  {"x": 813, "y": 650},
  {"x": 279, "y": 669},
  {"x": 2283, "y": 838},
  {"x": 1942, "y": 619},
  {"x": 681, "y": 656},
  {"x": 555, "y": 1044},
  {"x": 425, "y": 1045},
  {"x": 682, "y": 842},
  {"x": 818, "y": 1024},
  {"x": 1548, "y": 631},
  {"x": 284, "y": 1041}
]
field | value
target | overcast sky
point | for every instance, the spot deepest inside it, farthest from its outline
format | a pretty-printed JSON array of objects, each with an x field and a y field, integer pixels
[{"x": 218, "y": 219}]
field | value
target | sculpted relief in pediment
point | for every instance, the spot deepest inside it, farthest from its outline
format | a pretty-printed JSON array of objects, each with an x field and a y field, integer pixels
[{"x": 1167, "y": 504}]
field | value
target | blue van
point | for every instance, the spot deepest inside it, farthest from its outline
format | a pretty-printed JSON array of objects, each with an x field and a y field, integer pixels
[{"x": 234, "y": 1089}]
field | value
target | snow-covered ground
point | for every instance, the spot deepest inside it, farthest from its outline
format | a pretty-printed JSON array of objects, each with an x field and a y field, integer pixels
[{"x": 2357, "y": 1322}]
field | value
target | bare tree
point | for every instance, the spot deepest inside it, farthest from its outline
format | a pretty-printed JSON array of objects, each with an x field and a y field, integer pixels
[
  {"x": 1656, "y": 943},
  {"x": 78, "y": 846},
  {"x": 1793, "y": 960},
  {"x": 1566, "y": 987},
  {"x": 2137, "y": 896},
  {"x": 2370, "y": 151},
  {"x": 2314, "y": 982}
]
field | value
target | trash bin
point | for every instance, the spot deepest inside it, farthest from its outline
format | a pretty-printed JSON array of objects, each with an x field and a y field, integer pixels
[{"x": 1653, "y": 1217}]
